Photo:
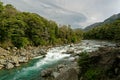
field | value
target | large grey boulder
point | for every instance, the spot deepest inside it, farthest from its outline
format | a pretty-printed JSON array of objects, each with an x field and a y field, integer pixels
[{"x": 70, "y": 74}]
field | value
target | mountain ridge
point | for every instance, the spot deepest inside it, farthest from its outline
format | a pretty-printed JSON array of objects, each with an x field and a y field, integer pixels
[{"x": 106, "y": 21}]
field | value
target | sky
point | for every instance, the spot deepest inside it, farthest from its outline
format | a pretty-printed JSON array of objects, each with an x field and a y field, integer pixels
[{"x": 77, "y": 13}]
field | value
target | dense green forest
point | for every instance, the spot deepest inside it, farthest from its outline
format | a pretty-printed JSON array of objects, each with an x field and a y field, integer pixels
[
  {"x": 109, "y": 31},
  {"x": 23, "y": 29}
]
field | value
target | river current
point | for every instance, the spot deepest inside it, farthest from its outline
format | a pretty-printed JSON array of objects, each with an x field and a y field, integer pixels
[{"x": 54, "y": 56}]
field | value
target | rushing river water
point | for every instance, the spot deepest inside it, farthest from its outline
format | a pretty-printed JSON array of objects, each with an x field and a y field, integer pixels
[{"x": 54, "y": 56}]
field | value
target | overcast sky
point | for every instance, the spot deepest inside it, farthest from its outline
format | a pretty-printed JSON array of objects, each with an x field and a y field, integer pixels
[{"x": 78, "y": 13}]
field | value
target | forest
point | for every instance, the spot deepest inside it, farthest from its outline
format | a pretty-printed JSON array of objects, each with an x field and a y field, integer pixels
[
  {"x": 22, "y": 29},
  {"x": 108, "y": 31}
]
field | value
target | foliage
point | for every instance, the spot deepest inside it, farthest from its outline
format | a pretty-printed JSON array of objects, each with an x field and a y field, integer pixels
[
  {"x": 109, "y": 31},
  {"x": 20, "y": 41},
  {"x": 89, "y": 70},
  {"x": 93, "y": 73},
  {"x": 21, "y": 29}
]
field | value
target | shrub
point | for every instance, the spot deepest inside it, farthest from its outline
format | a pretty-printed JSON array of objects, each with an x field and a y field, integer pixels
[{"x": 20, "y": 41}]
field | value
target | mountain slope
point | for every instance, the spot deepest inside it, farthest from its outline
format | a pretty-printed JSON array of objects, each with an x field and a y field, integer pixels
[
  {"x": 22, "y": 29},
  {"x": 107, "y": 21}
]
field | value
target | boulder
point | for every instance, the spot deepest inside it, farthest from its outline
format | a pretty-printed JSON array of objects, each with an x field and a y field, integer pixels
[
  {"x": 43, "y": 52},
  {"x": 9, "y": 66},
  {"x": 39, "y": 51},
  {"x": 3, "y": 62},
  {"x": 15, "y": 60},
  {"x": 71, "y": 45},
  {"x": 23, "y": 53},
  {"x": 55, "y": 74},
  {"x": 47, "y": 72},
  {"x": 70, "y": 74},
  {"x": 60, "y": 66},
  {"x": 23, "y": 59},
  {"x": 1, "y": 66},
  {"x": 70, "y": 51},
  {"x": 3, "y": 52}
]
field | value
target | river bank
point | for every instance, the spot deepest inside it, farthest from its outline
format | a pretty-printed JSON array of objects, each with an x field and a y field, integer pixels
[
  {"x": 71, "y": 70},
  {"x": 102, "y": 64},
  {"x": 59, "y": 58},
  {"x": 10, "y": 58}
]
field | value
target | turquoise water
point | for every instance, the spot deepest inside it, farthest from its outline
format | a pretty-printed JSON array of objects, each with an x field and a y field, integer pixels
[
  {"x": 32, "y": 69},
  {"x": 54, "y": 56},
  {"x": 20, "y": 73},
  {"x": 26, "y": 71}
]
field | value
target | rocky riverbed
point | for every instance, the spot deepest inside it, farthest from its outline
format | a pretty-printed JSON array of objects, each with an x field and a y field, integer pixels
[
  {"x": 57, "y": 61},
  {"x": 72, "y": 70},
  {"x": 10, "y": 58}
]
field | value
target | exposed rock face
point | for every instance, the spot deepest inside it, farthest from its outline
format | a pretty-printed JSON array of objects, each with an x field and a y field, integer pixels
[{"x": 70, "y": 74}]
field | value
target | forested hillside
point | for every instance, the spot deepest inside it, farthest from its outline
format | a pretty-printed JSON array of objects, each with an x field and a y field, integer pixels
[
  {"x": 110, "y": 31},
  {"x": 106, "y": 21},
  {"x": 23, "y": 29}
]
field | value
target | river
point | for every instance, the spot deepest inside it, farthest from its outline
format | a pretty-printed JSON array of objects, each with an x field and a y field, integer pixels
[{"x": 54, "y": 56}]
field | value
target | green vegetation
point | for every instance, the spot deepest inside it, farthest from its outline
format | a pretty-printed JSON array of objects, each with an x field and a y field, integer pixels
[
  {"x": 89, "y": 70},
  {"x": 109, "y": 31},
  {"x": 23, "y": 29}
]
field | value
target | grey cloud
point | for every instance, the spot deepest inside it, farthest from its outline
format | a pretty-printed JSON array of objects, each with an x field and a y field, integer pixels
[
  {"x": 73, "y": 12},
  {"x": 50, "y": 10}
]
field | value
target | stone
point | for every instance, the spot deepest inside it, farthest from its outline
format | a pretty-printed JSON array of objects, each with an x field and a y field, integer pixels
[
  {"x": 9, "y": 66},
  {"x": 17, "y": 65},
  {"x": 8, "y": 48},
  {"x": 71, "y": 59},
  {"x": 46, "y": 73},
  {"x": 70, "y": 74},
  {"x": 23, "y": 59},
  {"x": 61, "y": 66},
  {"x": 3, "y": 62},
  {"x": 71, "y": 45},
  {"x": 1, "y": 66},
  {"x": 23, "y": 53},
  {"x": 15, "y": 60},
  {"x": 55, "y": 74},
  {"x": 70, "y": 51}
]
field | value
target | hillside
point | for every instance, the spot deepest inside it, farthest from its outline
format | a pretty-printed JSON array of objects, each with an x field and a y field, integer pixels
[
  {"x": 109, "y": 31},
  {"x": 106, "y": 21},
  {"x": 22, "y": 29}
]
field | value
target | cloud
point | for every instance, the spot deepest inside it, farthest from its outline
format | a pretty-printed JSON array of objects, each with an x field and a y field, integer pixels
[
  {"x": 94, "y": 10},
  {"x": 77, "y": 13},
  {"x": 51, "y": 10}
]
